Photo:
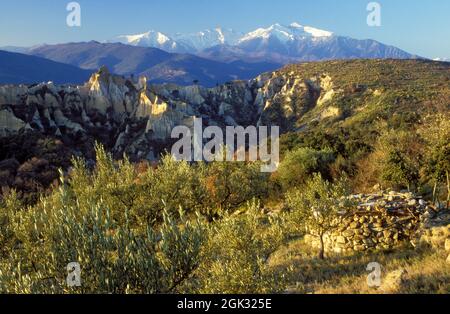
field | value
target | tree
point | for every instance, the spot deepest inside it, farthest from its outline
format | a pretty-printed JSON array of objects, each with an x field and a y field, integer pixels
[
  {"x": 436, "y": 132},
  {"x": 116, "y": 256},
  {"x": 10, "y": 207},
  {"x": 230, "y": 185},
  {"x": 439, "y": 166},
  {"x": 141, "y": 195},
  {"x": 317, "y": 205},
  {"x": 299, "y": 165},
  {"x": 399, "y": 156},
  {"x": 399, "y": 171},
  {"x": 234, "y": 259}
]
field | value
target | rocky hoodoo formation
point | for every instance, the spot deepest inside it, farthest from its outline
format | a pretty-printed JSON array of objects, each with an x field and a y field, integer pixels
[
  {"x": 132, "y": 117},
  {"x": 128, "y": 116},
  {"x": 43, "y": 125},
  {"x": 382, "y": 221}
]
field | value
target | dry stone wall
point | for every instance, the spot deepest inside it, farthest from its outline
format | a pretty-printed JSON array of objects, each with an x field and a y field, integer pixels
[
  {"x": 435, "y": 232},
  {"x": 381, "y": 220}
]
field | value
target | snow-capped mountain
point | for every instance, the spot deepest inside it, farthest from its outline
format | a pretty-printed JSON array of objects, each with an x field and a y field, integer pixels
[
  {"x": 285, "y": 34},
  {"x": 152, "y": 39},
  {"x": 205, "y": 39},
  {"x": 180, "y": 42},
  {"x": 277, "y": 43},
  {"x": 442, "y": 59},
  {"x": 208, "y": 38}
]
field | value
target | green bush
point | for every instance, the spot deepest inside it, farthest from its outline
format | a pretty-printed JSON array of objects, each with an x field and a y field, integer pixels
[
  {"x": 229, "y": 185},
  {"x": 401, "y": 158},
  {"x": 114, "y": 257},
  {"x": 134, "y": 230},
  {"x": 436, "y": 134},
  {"x": 300, "y": 164},
  {"x": 234, "y": 259}
]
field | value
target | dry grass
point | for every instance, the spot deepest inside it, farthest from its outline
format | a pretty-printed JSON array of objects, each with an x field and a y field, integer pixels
[{"x": 426, "y": 271}]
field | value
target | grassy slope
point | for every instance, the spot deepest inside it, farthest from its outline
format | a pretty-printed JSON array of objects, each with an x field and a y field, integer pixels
[
  {"x": 367, "y": 91},
  {"x": 426, "y": 270},
  {"x": 373, "y": 96}
]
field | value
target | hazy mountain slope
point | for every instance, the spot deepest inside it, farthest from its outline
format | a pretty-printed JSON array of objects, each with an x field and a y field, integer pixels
[
  {"x": 121, "y": 59},
  {"x": 16, "y": 68},
  {"x": 184, "y": 69},
  {"x": 158, "y": 65},
  {"x": 307, "y": 49}
]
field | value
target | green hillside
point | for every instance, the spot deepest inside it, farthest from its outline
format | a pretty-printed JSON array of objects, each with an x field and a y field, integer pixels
[{"x": 381, "y": 128}]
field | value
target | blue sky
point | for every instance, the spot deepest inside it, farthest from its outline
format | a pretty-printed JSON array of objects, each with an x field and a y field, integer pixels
[{"x": 418, "y": 26}]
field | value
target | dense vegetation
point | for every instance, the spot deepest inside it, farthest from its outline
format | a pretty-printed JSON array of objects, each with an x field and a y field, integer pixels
[
  {"x": 226, "y": 227},
  {"x": 138, "y": 229},
  {"x": 164, "y": 229}
]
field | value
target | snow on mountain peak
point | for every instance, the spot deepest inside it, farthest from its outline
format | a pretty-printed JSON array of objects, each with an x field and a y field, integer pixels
[
  {"x": 280, "y": 32},
  {"x": 302, "y": 30},
  {"x": 315, "y": 32},
  {"x": 208, "y": 38},
  {"x": 295, "y": 25},
  {"x": 442, "y": 59},
  {"x": 220, "y": 36},
  {"x": 286, "y": 33},
  {"x": 149, "y": 38}
]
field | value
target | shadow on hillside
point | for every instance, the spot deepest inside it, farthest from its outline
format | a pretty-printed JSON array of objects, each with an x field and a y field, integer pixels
[
  {"x": 425, "y": 283},
  {"x": 304, "y": 270}
]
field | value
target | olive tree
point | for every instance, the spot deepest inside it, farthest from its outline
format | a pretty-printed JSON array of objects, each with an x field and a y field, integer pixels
[
  {"x": 436, "y": 132},
  {"x": 317, "y": 205},
  {"x": 300, "y": 164}
]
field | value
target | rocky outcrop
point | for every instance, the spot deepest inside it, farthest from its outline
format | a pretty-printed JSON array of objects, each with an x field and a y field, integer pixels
[
  {"x": 107, "y": 108},
  {"x": 9, "y": 123},
  {"x": 132, "y": 117},
  {"x": 43, "y": 126},
  {"x": 282, "y": 99}
]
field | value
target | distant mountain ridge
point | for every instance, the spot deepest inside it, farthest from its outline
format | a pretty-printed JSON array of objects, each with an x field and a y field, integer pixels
[
  {"x": 276, "y": 43},
  {"x": 17, "y": 68},
  {"x": 157, "y": 65},
  {"x": 180, "y": 42},
  {"x": 209, "y": 57}
]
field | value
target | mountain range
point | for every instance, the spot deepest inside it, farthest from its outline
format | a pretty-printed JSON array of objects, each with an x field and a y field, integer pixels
[
  {"x": 209, "y": 57},
  {"x": 276, "y": 43},
  {"x": 158, "y": 65}
]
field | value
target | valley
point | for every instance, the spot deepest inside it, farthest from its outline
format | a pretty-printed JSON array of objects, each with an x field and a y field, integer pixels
[
  {"x": 196, "y": 154},
  {"x": 85, "y": 176}
]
